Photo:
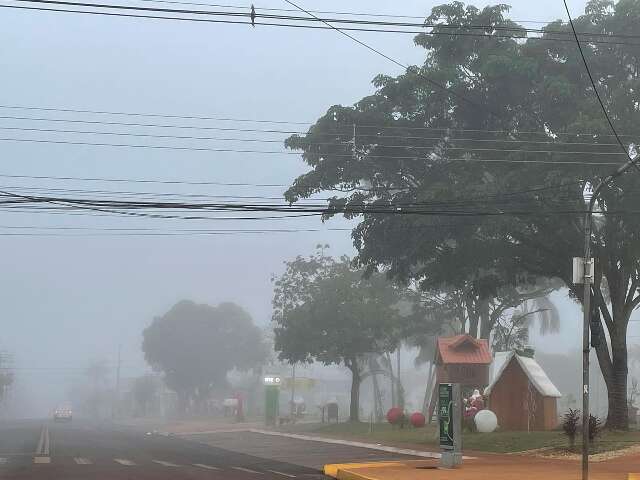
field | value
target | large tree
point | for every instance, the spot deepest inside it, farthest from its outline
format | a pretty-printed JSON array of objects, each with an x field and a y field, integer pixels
[
  {"x": 196, "y": 345},
  {"x": 325, "y": 310},
  {"x": 478, "y": 185}
]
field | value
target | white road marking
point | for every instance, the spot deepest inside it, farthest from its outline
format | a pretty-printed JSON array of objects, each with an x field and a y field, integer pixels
[
  {"x": 45, "y": 448},
  {"x": 282, "y": 473},
  {"x": 82, "y": 461},
  {"x": 165, "y": 464},
  {"x": 248, "y": 470},
  {"x": 335, "y": 441},
  {"x": 123, "y": 461},
  {"x": 3, "y": 460},
  {"x": 208, "y": 467},
  {"x": 40, "y": 441},
  {"x": 41, "y": 459}
]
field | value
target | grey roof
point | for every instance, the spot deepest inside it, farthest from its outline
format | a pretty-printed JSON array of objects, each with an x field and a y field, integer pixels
[{"x": 531, "y": 368}]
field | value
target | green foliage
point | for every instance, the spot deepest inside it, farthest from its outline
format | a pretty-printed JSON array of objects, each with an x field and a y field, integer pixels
[
  {"x": 595, "y": 427},
  {"x": 570, "y": 422},
  {"x": 195, "y": 345},
  {"x": 418, "y": 146},
  {"x": 144, "y": 389},
  {"x": 326, "y": 310}
]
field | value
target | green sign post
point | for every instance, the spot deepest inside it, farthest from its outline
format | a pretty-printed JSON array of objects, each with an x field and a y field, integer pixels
[
  {"x": 450, "y": 424},
  {"x": 445, "y": 404},
  {"x": 271, "y": 398}
]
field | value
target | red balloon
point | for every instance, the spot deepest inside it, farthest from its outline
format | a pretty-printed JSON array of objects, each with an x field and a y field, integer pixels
[
  {"x": 394, "y": 415},
  {"x": 417, "y": 420}
]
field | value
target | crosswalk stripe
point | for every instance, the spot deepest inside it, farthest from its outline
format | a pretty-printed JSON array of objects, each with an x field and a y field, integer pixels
[
  {"x": 247, "y": 470},
  {"x": 82, "y": 461},
  {"x": 208, "y": 467},
  {"x": 41, "y": 459},
  {"x": 165, "y": 464},
  {"x": 282, "y": 473},
  {"x": 123, "y": 461}
]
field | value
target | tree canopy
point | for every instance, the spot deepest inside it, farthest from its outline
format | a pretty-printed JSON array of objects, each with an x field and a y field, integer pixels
[
  {"x": 325, "y": 310},
  {"x": 195, "y": 345},
  {"x": 479, "y": 186}
]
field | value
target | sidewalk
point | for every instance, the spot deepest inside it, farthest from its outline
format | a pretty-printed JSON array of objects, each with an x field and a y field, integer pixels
[{"x": 489, "y": 467}]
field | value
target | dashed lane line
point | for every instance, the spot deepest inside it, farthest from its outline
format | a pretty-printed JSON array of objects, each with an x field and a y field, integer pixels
[
  {"x": 45, "y": 449},
  {"x": 41, "y": 459},
  {"x": 206, "y": 467},
  {"x": 125, "y": 462},
  {"x": 165, "y": 464},
  {"x": 3, "y": 460},
  {"x": 82, "y": 461},
  {"x": 247, "y": 470},
  {"x": 282, "y": 473}
]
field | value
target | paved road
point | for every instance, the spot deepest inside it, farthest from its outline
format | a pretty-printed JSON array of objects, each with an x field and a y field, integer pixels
[
  {"x": 301, "y": 452},
  {"x": 39, "y": 450}
]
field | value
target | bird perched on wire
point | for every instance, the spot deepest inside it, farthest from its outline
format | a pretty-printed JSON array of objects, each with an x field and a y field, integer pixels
[{"x": 253, "y": 16}]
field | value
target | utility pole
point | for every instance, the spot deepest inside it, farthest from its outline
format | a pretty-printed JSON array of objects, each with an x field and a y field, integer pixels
[
  {"x": 116, "y": 403},
  {"x": 398, "y": 381},
  {"x": 583, "y": 271},
  {"x": 293, "y": 392}
]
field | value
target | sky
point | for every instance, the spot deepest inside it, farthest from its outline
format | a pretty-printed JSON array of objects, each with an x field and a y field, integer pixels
[{"x": 69, "y": 299}]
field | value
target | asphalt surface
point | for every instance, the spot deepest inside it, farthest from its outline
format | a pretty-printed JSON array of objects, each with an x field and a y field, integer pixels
[
  {"x": 83, "y": 450},
  {"x": 301, "y": 452}
]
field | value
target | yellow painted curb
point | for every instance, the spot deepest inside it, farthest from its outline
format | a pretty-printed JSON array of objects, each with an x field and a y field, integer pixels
[{"x": 344, "y": 471}]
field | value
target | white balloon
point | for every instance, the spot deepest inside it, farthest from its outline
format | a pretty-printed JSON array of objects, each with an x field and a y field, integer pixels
[{"x": 486, "y": 421}]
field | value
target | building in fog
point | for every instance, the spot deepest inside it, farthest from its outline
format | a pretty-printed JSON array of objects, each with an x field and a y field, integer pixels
[{"x": 521, "y": 394}]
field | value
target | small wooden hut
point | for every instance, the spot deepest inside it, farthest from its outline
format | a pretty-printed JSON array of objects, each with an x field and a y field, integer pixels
[
  {"x": 522, "y": 396},
  {"x": 459, "y": 359},
  {"x": 463, "y": 359}
]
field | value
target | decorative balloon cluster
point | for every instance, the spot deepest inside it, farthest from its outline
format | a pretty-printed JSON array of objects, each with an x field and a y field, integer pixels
[{"x": 396, "y": 416}]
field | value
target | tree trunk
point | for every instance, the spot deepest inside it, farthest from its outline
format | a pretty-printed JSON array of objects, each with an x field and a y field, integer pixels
[
  {"x": 354, "y": 406},
  {"x": 486, "y": 323},
  {"x": 618, "y": 413},
  {"x": 614, "y": 364}
]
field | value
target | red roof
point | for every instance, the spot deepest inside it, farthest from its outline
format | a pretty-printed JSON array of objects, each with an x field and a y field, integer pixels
[{"x": 464, "y": 349}]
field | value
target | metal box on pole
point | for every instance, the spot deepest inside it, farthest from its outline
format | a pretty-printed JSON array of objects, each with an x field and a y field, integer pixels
[{"x": 450, "y": 424}]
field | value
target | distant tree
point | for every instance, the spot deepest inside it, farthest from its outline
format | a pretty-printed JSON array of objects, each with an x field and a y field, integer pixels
[
  {"x": 196, "y": 345},
  {"x": 6, "y": 379},
  {"x": 144, "y": 389},
  {"x": 98, "y": 373},
  {"x": 326, "y": 311}
]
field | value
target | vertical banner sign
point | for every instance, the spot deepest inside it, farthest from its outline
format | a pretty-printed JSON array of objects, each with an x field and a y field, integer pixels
[
  {"x": 445, "y": 415},
  {"x": 272, "y": 398}
]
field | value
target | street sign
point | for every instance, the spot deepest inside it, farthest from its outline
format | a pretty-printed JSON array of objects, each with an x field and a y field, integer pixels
[
  {"x": 450, "y": 424},
  {"x": 272, "y": 380},
  {"x": 445, "y": 411}
]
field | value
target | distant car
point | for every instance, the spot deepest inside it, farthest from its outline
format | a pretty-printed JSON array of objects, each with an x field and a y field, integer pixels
[{"x": 62, "y": 414}]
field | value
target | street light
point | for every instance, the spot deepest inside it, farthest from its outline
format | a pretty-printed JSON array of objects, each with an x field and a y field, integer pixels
[{"x": 583, "y": 272}]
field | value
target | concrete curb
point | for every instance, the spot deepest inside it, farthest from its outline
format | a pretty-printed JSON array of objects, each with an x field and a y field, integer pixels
[
  {"x": 370, "y": 446},
  {"x": 347, "y": 471}
]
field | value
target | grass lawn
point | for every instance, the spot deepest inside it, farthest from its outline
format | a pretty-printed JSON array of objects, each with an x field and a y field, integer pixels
[{"x": 497, "y": 442}]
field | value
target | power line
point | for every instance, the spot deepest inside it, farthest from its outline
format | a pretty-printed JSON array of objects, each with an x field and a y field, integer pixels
[
  {"x": 258, "y": 140},
  {"x": 595, "y": 89},
  {"x": 272, "y": 152},
  {"x": 323, "y": 12},
  {"x": 363, "y": 137},
  {"x": 518, "y": 31},
  {"x": 158, "y": 115},
  {"x": 394, "y": 61},
  {"x": 253, "y": 130}
]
